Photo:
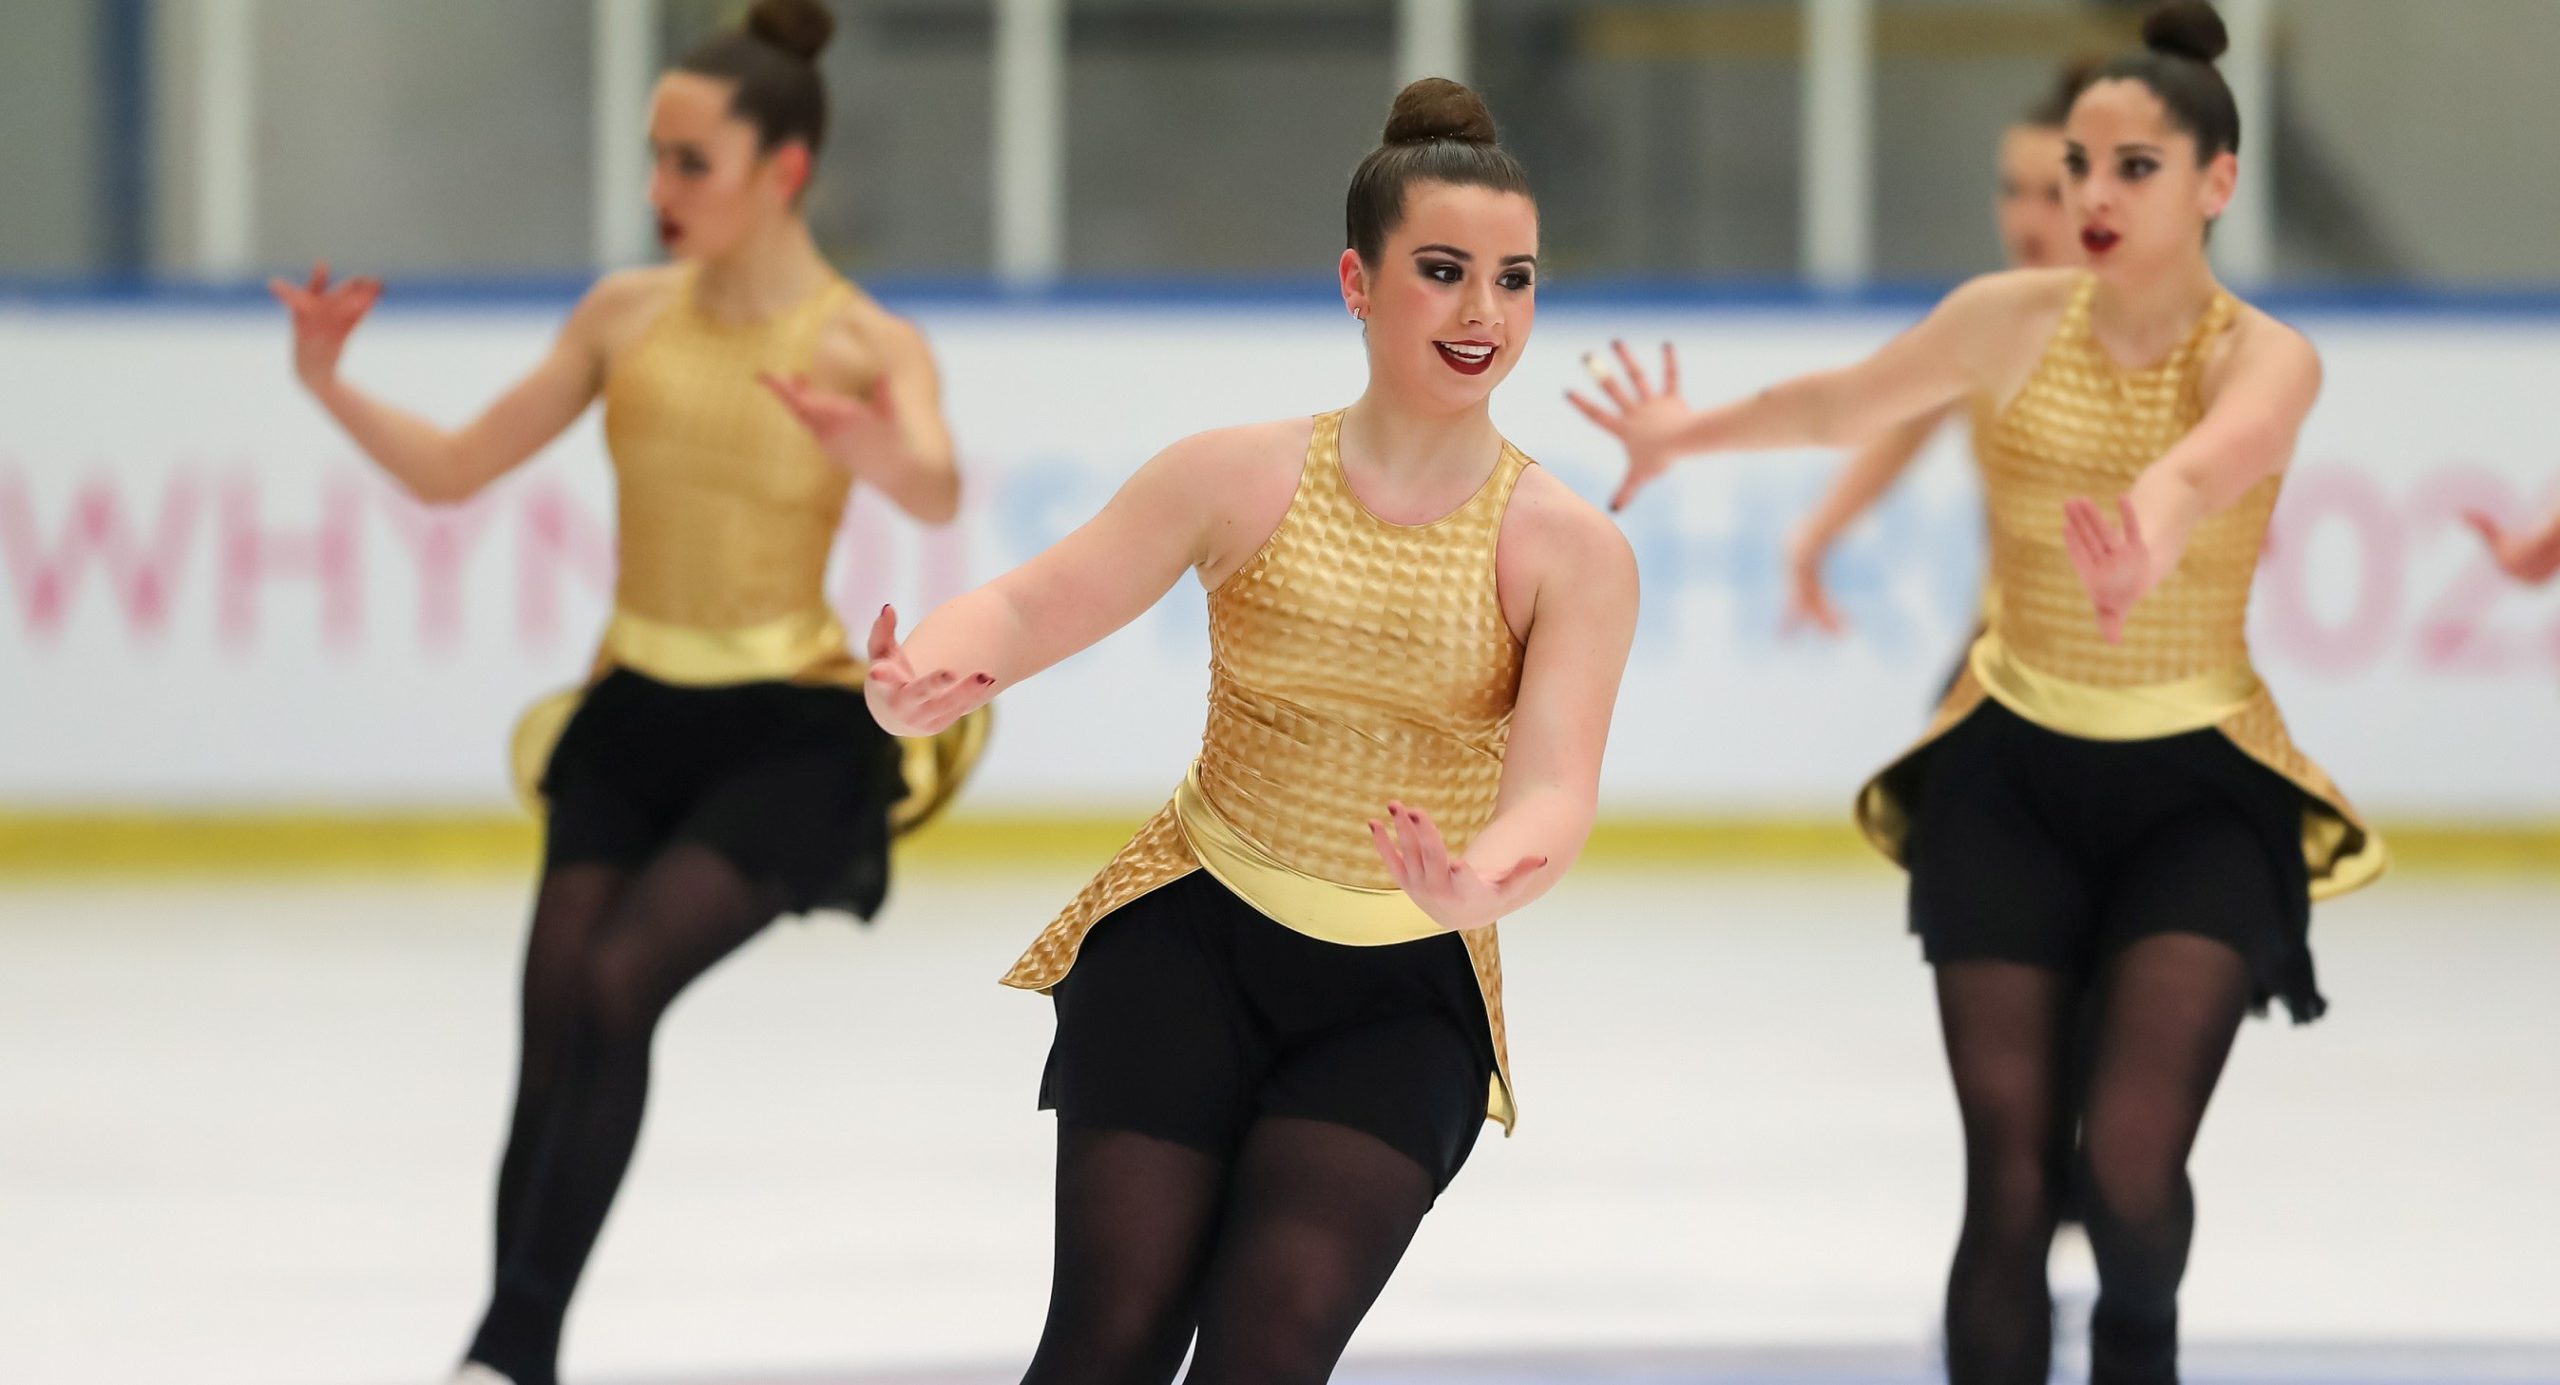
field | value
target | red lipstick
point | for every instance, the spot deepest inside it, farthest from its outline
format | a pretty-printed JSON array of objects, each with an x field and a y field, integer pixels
[
  {"x": 1467, "y": 357},
  {"x": 2098, "y": 240}
]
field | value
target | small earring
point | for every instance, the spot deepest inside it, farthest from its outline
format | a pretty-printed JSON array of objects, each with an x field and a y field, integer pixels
[{"x": 1359, "y": 316}]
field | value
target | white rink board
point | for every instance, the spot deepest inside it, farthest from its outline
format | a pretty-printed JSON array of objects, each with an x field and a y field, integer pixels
[{"x": 208, "y": 600}]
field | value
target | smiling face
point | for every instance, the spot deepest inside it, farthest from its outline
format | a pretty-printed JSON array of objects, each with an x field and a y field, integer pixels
[
  {"x": 2140, "y": 199},
  {"x": 1451, "y": 298},
  {"x": 713, "y": 188},
  {"x": 2036, "y": 228}
]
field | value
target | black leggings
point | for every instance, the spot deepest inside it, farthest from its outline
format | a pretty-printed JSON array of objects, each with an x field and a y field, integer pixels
[
  {"x": 2102, "y": 916},
  {"x": 2167, "y": 1009},
  {"x": 610, "y": 948},
  {"x": 1270, "y": 1259}
]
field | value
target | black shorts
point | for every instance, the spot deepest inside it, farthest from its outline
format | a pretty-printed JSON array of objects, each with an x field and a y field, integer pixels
[
  {"x": 1189, "y": 1014},
  {"x": 790, "y": 783},
  {"x": 2031, "y": 846}
]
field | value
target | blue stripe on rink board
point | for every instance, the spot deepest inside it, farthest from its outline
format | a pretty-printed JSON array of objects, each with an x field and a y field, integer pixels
[{"x": 553, "y": 292}]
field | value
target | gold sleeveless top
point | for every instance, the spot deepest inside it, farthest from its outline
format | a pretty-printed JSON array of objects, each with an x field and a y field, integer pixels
[
  {"x": 727, "y": 511},
  {"x": 1352, "y": 661},
  {"x": 2083, "y": 426}
]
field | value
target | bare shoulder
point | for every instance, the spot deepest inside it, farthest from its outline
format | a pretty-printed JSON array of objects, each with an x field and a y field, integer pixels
[
  {"x": 863, "y": 319},
  {"x": 2259, "y": 333},
  {"x": 617, "y": 306},
  {"x": 2260, "y": 346},
  {"x": 1242, "y": 479},
  {"x": 2014, "y": 292},
  {"x": 1242, "y": 462},
  {"x": 1554, "y": 540}
]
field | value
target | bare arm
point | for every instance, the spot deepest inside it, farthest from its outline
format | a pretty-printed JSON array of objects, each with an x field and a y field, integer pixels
[
  {"x": 433, "y": 463},
  {"x": 892, "y": 437},
  {"x": 2246, "y": 436},
  {"x": 1580, "y": 631},
  {"x": 1857, "y": 487},
  {"x": 1073, "y": 594},
  {"x": 1915, "y": 375}
]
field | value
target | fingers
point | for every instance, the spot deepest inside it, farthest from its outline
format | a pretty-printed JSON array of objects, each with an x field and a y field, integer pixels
[
  {"x": 287, "y": 294},
  {"x": 792, "y": 393},
  {"x": 1426, "y": 834},
  {"x": 2082, "y": 522},
  {"x": 884, "y": 634},
  {"x": 956, "y": 698},
  {"x": 319, "y": 276},
  {"x": 2486, "y": 527},
  {"x": 1595, "y": 413},
  {"x": 1409, "y": 842},
  {"x": 1618, "y": 394},
  {"x": 1823, "y": 614},
  {"x": 1387, "y": 852},
  {"x": 2111, "y": 626},
  {"x": 1635, "y": 373},
  {"x": 1627, "y": 489},
  {"x": 1670, "y": 370},
  {"x": 1519, "y": 873},
  {"x": 2132, "y": 524}
]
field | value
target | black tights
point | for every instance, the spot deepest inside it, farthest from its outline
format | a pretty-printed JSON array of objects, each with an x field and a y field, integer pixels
[
  {"x": 2168, "y": 1007},
  {"x": 610, "y": 949},
  {"x": 1270, "y": 1260}
]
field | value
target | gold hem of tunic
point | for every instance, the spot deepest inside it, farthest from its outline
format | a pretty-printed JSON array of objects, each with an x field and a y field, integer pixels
[
  {"x": 2342, "y": 853},
  {"x": 807, "y": 647}
]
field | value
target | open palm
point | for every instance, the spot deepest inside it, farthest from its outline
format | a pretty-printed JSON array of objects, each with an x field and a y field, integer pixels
[
  {"x": 1446, "y": 887},
  {"x": 1647, "y": 421},
  {"x": 324, "y": 315}
]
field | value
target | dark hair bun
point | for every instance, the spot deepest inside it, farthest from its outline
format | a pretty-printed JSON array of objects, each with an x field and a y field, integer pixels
[
  {"x": 2186, "y": 29},
  {"x": 800, "y": 28},
  {"x": 1437, "y": 108}
]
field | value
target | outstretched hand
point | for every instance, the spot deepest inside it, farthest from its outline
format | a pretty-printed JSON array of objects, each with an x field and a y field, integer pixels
[
  {"x": 2114, "y": 567},
  {"x": 2526, "y": 557},
  {"x": 847, "y": 426},
  {"x": 1808, "y": 600},
  {"x": 907, "y": 703},
  {"x": 1446, "y": 887},
  {"x": 324, "y": 315},
  {"x": 1644, "y": 419}
]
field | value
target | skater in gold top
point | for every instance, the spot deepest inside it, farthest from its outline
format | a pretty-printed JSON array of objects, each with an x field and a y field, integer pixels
[
  {"x": 1279, "y": 1007},
  {"x": 2107, "y": 803},
  {"x": 719, "y": 768}
]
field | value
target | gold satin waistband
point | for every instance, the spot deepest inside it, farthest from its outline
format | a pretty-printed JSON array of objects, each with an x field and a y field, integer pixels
[
  {"x": 1354, "y": 915},
  {"x": 790, "y": 649},
  {"x": 2139, "y": 713}
]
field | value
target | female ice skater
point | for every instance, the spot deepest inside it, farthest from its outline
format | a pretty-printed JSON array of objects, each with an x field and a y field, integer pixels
[
  {"x": 721, "y": 768},
  {"x": 2107, "y": 798},
  {"x": 1279, "y": 1007}
]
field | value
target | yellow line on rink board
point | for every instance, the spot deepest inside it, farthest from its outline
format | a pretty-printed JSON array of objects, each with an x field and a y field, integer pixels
[{"x": 111, "y": 844}]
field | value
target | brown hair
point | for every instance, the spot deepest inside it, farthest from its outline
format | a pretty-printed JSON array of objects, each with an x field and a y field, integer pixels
[
  {"x": 773, "y": 61},
  {"x": 1437, "y": 132},
  {"x": 2180, "y": 41}
]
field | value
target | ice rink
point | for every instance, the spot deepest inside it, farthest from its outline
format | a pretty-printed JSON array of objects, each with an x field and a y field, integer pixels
[{"x": 250, "y": 1127}]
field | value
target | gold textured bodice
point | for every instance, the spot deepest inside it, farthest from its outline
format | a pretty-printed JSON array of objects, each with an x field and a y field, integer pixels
[
  {"x": 2084, "y": 426},
  {"x": 727, "y": 507},
  {"x": 1352, "y": 661},
  {"x": 727, "y": 512}
]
